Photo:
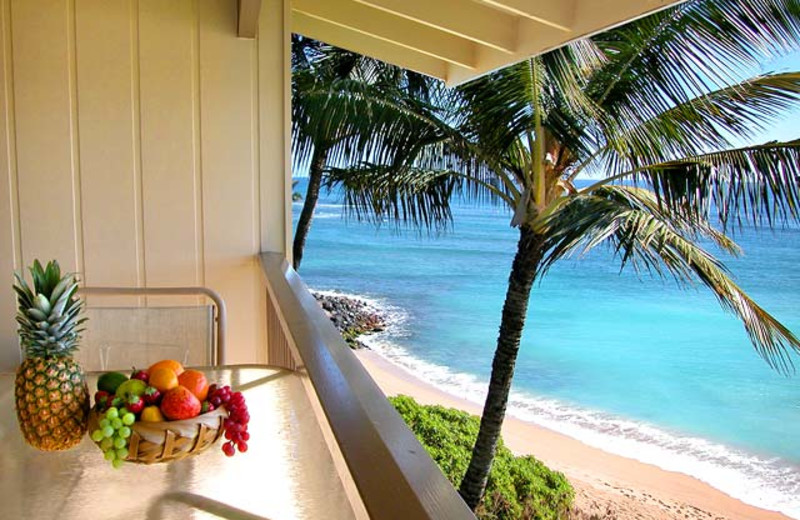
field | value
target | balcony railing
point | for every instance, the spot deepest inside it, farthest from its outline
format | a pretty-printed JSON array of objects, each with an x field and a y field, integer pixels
[{"x": 384, "y": 468}]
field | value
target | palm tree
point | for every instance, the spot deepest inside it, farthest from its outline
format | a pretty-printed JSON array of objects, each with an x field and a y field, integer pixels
[
  {"x": 348, "y": 107},
  {"x": 650, "y": 112}
]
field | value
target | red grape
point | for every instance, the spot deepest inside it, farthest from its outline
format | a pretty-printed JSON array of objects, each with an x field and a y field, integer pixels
[
  {"x": 228, "y": 449},
  {"x": 238, "y": 417}
]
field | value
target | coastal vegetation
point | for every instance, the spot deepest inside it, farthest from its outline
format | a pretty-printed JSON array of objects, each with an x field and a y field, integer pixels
[
  {"x": 656, "y": 112},
  {"x": 518, "y": 487}
]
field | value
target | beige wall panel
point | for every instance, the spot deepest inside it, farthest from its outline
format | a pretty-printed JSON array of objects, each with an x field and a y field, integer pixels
[
  {"x": 274, "y": 101},
  {"x": 170, "y": 133},
  {"x": 9, "y": 347},
  {"x": 109, "y": 173},
  {"x": 145, "y": 143},
  {"x": 230, "y": 179},
  {"x": 44, "y": 131}
]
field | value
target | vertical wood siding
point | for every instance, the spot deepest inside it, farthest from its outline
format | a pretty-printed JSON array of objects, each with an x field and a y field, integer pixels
[
  {"x": 280, "y": 352},
  {"x": 143, "y": 144}
]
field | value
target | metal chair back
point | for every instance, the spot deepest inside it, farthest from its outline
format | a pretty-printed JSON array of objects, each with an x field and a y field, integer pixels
[{"x": 121, "y": 337}]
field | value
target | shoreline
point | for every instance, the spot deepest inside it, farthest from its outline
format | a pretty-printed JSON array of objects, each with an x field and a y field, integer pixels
[{"x": 606, "y": 485}]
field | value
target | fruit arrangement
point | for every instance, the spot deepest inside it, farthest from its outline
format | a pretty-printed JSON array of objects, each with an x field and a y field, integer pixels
[{"x": 172, "y": 410}]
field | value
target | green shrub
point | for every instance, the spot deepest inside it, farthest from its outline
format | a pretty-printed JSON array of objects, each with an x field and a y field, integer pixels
[{"x": 518, "y": 487}]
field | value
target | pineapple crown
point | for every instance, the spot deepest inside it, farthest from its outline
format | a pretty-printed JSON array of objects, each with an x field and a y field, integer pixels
[{"x": 49, "y": 314}]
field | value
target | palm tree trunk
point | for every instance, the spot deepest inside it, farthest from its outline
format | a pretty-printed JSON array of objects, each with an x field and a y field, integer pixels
[
  {"x": 318, "y": 159},
  {"x": 523, "y": 273}
]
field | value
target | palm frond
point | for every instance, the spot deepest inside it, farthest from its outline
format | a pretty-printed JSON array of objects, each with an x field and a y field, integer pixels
[
  {"x": 704, "y": 122},
  {"x": 412, "y": 196},
  {"x": 649, "y": 239},
  {"x": 356, "y": 120},
  {"x": 418, "y": 189},
  {"x": 686, "y": 51},
  {"x": 353, "y": 107},
  {"x": 498, "y": 108},
  {"x": 756, "y": 184}
]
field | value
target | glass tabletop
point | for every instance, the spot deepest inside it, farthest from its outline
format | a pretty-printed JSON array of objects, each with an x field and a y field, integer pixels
[{"x": 286, "y": 473}]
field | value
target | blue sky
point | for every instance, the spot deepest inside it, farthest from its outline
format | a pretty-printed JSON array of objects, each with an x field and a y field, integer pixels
[{"x": 788, "y": 127}]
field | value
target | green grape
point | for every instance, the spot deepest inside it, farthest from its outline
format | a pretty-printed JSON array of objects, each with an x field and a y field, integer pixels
[
  {"x": 116, "y": 423},
  {"x": 128, "y": 419},
  {"x": 106, "y": 444},
  {"x": 120, "y": 443},
  {"x": 97, "y": 436},
  {"x": 122, "y": 453},
  {"x": 124, "y": 432},
  {"x": 117, "y": 463},
  {"x": 110, "y": 455},
  {"x": 108, "y": 431},
  {"x": 112, "y": 413},
  {"x": 123, "y": 411},
  {"x": 104, "y": 423}
]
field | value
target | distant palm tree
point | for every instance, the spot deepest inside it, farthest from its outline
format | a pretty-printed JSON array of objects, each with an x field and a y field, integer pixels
[
  {"x": 648, "y": 110},
  {"x": 348, "y": 107},
  {"x": 296, "y": 195}
]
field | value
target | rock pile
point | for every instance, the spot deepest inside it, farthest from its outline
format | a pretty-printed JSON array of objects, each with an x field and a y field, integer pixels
[{"x": 352, "y": 317}]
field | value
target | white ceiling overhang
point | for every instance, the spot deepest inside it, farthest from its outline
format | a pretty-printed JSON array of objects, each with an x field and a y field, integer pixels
[{"x": 458, "y": 40}]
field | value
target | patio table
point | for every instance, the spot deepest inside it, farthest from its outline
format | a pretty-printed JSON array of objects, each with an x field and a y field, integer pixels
[{"x": 286, "y": 473}]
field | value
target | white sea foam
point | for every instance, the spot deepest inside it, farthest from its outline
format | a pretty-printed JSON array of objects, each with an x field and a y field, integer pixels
[
  {"x": 769, "y": 483},
  {"x": 395, "y": 314}
]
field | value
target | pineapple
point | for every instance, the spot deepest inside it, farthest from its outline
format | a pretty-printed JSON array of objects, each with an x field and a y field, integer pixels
[{"x": 52, "y": 399}]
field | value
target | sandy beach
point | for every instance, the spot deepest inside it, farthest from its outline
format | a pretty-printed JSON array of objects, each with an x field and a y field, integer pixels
[{"x": 606, "y": 485}]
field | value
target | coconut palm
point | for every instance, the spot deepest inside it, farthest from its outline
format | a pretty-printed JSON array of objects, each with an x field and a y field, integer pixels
[
  {"x": 654, "y": 112},
  {"x": 348, "y": 107}
]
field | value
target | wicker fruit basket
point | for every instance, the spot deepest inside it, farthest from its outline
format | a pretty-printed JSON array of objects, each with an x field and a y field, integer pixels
[{"x": 154, "y": 442}]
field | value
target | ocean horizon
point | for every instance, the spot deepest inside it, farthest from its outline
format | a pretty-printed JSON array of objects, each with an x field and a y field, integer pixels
[{"x": 635, "y": 366}]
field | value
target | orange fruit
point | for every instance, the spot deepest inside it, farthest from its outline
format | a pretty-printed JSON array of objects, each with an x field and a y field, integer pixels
[
  {"x": 167, "y": 363},
  {"x": 179, "y": 403},
  {"x": 163, "y": 378},
  {"x": 196, "y": 382}
]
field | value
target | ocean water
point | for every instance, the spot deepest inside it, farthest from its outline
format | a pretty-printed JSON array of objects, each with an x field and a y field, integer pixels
[{"x": 638, "y": 367}]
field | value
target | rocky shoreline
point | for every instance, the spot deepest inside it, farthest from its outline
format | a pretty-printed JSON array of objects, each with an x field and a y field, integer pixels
[{"x": 351, "y": 316}]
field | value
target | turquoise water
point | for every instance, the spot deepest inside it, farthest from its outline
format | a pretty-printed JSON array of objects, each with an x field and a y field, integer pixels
[{"x": 637, "y": 367}]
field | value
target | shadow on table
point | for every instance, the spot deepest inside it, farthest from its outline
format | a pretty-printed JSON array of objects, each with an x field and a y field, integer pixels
[
  {"x": 237, "y": 386},
  {"x": 219, "y": 509}
]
